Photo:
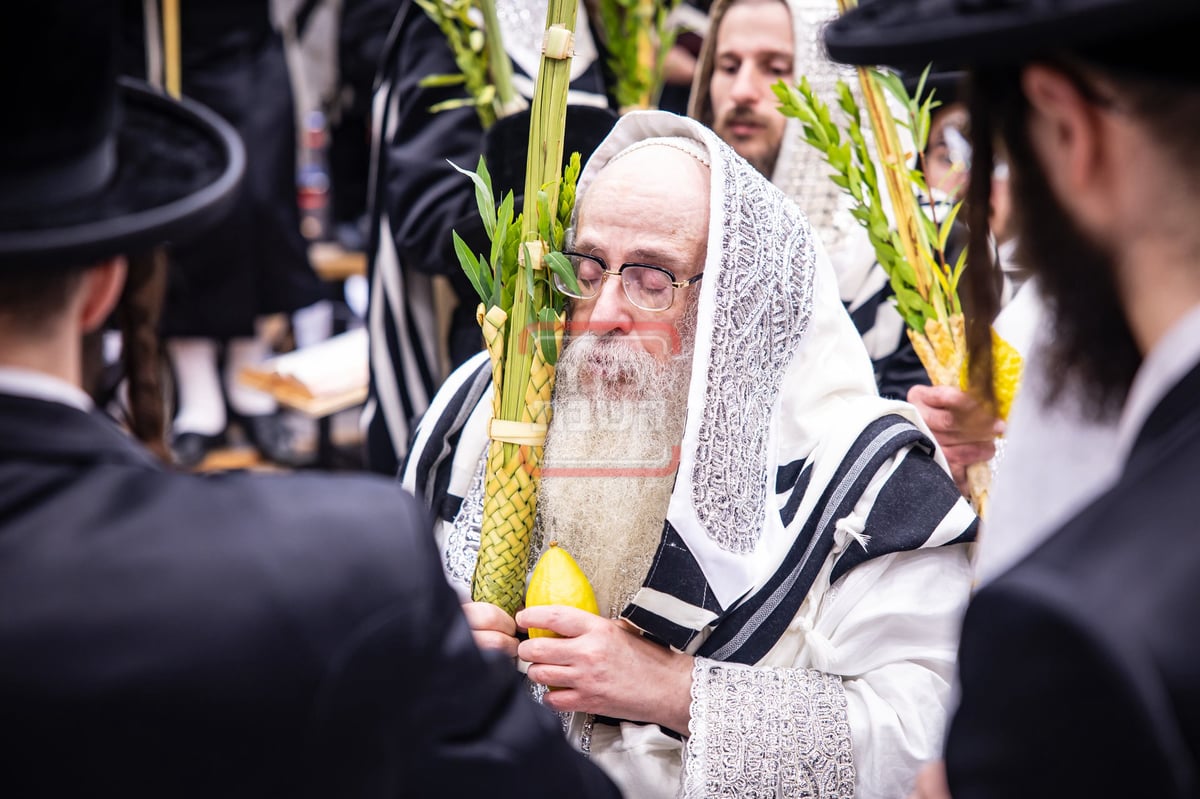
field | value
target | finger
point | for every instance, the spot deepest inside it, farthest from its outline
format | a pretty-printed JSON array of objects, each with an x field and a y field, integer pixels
[
  {"x": 964, "y": 438},
  {"x": 491, "y": 640},
  {"x": 549, "y": 674},
  {"x": 967, "y": 454},
  {"x": 951, "y": 427},
  {"x": 943, "y": 423},
  {"x": 941, "y": 397},
  {"x": 566, "y": 621},
  {"x": 563, "y": 700},
  {"x": 965, "y": 431},
  {"x": 918, "y": 395},
  {"x": 556, "y": 651},
  {"x": 486, "y": 616}
]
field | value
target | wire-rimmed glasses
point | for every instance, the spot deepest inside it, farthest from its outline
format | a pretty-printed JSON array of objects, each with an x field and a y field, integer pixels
[{"x": 649, "y": 287}]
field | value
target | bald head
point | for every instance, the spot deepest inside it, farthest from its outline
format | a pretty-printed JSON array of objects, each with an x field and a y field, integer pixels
[
  {"x": 649, "y": 205},
  {"x": 666, "y": 156},
  {"x": 661, "y": 192}
]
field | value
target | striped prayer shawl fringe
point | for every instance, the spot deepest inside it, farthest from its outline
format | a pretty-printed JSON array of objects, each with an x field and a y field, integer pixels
[
  {"x": 437, "y": 441},
  {"x": 896, "y": 522}
]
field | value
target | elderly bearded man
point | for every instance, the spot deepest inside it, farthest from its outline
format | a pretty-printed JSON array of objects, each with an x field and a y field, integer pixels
[{"x": 789, "y": 629}]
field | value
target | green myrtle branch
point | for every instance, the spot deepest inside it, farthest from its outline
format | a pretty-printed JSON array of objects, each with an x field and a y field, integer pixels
[
  {"x": 844, "y": 147},
  {"x": 494, "y": 275}
]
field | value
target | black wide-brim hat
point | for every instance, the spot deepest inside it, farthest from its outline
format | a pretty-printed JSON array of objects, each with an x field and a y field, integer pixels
[
  {"x": 983, "y": 32},
  {"x": 945, "y": 83},
  {"x": 506, "y": 149},
  {"x": 170, "y": 169}
]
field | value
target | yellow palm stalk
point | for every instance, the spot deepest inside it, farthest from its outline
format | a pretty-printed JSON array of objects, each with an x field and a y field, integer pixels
[{"x": 523, "y": 320}]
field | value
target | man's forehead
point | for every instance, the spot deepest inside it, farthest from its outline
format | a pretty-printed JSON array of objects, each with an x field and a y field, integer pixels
[
  {"x": 646, "y": 203},
  {"x": 743, "y": 24},
  {"x": 665, "y": 174}
]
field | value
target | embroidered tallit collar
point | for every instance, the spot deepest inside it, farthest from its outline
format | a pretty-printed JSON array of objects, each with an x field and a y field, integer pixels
[{"x": 766, "y": 287}]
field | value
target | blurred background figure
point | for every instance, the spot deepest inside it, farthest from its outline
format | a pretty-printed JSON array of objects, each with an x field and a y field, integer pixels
[
  {"x": 362, "y": 33},
  {"x": 418, "y": 198},
  {"x": 689, "y": 21},
  {"x": 255, "y": 264},
  {"x": 751, "y": 45}
]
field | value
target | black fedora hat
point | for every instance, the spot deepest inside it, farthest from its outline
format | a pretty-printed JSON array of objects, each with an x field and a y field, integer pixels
[
  {"x": 944, "y": 82},
  {"x": 91, "y": 165},
  {"x": 506, "y": 149},
  {"x": 506, "y": 143},
  {"x": 981, "y": 32}
]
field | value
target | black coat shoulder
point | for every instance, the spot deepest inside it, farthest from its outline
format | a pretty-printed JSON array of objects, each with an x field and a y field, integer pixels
[
  {"x": 1080, "y": 667},
  {"x": 164, "y": 634}
]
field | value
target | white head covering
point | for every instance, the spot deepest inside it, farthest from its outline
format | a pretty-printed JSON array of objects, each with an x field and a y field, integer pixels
[{"x": 779, "y": 377}]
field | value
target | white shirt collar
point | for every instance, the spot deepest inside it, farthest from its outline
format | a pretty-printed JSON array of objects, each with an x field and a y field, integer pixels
[
  {"x": 39, "y": 385},
  {"x": 1172, "y": 358}
]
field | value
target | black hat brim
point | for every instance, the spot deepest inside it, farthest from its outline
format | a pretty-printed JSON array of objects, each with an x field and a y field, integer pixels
[
  {"x": 983, "y": 33},
  {"x": 178, "y": 169},
  {"x": 946, "y": 85},
  {"x": 506, "y": 146}
]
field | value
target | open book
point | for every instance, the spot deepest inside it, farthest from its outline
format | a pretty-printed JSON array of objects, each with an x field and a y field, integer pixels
[{"x": 318, "y": 380}]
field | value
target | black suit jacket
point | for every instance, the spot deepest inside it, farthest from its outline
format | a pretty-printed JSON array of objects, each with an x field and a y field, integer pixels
[
  {"x": 1081, "y": 666},
  {"x": 170, "y": 635}
]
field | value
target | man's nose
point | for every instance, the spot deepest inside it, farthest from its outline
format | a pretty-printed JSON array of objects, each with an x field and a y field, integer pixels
[
  {"x": 611, "y": 310},
  {"x": 747, "y": 88}
]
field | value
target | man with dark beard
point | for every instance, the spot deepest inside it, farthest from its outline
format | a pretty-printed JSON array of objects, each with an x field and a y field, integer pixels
[
  {"x": 777, "y": 552},
  {"x": 1080, "y": 666}
]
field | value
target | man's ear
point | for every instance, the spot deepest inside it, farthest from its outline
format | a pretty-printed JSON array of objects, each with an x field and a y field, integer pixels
[
  {"x": 1068, "y": 131},
  {"x": 102, "y": 285}
]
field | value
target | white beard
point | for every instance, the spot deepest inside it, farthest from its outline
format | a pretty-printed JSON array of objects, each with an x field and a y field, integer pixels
[{"x": 610, "y": 459}]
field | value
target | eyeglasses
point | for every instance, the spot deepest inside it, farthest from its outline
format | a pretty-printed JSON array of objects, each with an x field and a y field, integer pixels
[{"x": 649, "y": 287}]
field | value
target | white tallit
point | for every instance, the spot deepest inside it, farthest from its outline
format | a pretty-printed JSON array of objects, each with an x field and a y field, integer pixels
[{"x": 802, "y": 559}]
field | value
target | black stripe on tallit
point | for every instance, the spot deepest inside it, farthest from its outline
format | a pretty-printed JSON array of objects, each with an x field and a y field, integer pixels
[
  {"x": 787, "y": 513},
  {"x": 674, "y": 571},
  {"x": 908, "y": 509},
  {"x": 864, "y": 315},
  {"x": 752, "y": 629},
  {"x": 660, "y": 630},
  {"x": 787, "y": 476},
  {"x": 435, "y": 460}
]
